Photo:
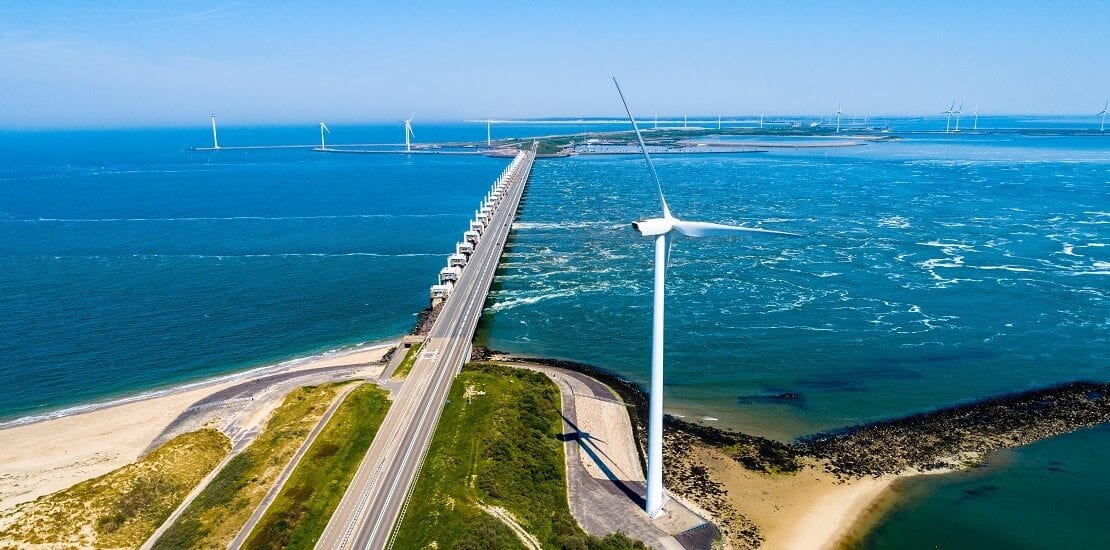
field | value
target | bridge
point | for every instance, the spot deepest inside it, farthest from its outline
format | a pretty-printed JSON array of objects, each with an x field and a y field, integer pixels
[{"x": 376, "y": 497}]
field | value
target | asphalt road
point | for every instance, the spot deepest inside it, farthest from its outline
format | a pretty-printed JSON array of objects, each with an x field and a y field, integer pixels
[{"x": 377, "y": 495}]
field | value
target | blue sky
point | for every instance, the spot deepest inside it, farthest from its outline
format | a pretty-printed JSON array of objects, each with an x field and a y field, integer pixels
[{"x": 71, "y": 64}]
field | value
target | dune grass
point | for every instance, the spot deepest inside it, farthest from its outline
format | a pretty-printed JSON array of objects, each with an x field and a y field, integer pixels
[
  {"x": 122, "y": 508},
  {"x": 223, "y": 507},
  {"x": 302, "y": 509},
  {"x": 497, "y": 445}
]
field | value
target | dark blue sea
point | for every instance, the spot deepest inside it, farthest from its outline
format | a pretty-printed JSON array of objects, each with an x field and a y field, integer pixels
[{"x": 934, "y": 269}]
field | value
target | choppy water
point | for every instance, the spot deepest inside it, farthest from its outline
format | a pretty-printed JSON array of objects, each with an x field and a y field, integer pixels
[{"x": 932, "y": 271}]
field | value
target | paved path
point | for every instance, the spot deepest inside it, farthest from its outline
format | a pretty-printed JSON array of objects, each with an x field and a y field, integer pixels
[
  {"x": 600, "y": 506},
  {"x": 376, "y": 497},
  {"x": 614, "y": 502},
  {"x": 273, "y": 493}
]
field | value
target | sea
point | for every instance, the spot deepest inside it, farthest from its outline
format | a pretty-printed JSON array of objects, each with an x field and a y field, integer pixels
[{"x": 932, "y": 269}]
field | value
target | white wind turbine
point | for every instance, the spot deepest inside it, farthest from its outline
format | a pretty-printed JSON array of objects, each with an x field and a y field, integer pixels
[
  {"x": 663, "y": 229},
  {"x": 1101, "y": 126},
  {"x": 975, "y": 125},
  {"x": 948, "y": 123},
  {"x": 489, "y": 134},
  {"x": 408, "y": 132},
  {"x": 959, "y": 111},
  {"x": 215, "y": 142},
  {"x": 838, "y": 113},
  {"x": 323, "y": 128}
]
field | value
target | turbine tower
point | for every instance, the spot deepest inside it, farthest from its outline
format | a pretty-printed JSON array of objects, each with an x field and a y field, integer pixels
[
  {"x": 489, "y": 135},
  {"x": 215, "y": 142},
  {"x": 1105, "y": 106},
  {"x": 948, "y": 123},
  {"x": 718, "y": 123},
  {"x": 323, "y": 128},
  {"x": 959, "y": 111},
  {"x": 975, "y": 125},
  {"x": 408, "y": 132},
  {"x": 838, "y": 113},
  {"x": 663, "y": 230}
]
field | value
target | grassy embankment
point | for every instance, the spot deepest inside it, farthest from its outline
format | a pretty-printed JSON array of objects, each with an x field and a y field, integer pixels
[
  {"x": 302, "y": 509},
  {"x": 496, "y": 445},
  {"x": 405, "y": 367},
  {"x": 224, "y": 506},
  {"x": 122, "y": 508}
]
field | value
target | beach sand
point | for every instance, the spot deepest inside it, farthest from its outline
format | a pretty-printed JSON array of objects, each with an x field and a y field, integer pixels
[
  {"x": 42, "y": 457},
  {"x": 810, "y": 509}
]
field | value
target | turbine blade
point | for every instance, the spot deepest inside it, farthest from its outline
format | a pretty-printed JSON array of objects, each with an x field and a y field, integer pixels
[
  {"x": 707, "y": 229},
  {"x": 643, "y": 149}
]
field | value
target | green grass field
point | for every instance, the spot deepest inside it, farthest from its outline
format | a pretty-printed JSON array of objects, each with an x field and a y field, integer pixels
[
  {"x": 119, "y": 509},
  {"x": 405, "y": 367},
  {"x": 224, "y": 506},
  {"x": 302, "y": 509},
  {"x": 498, "y": 448}
]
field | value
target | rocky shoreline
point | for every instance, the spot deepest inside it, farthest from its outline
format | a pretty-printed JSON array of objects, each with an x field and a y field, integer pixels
[{"x": 945, "y": 439}]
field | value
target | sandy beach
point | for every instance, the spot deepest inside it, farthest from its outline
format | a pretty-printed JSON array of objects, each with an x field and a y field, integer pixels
[
  {"x": 808, "y": 509},
  {"x": 44, "y": 456}
]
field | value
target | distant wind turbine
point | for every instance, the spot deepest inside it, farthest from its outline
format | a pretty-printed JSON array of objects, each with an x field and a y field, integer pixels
[
  {"x": 1105, "y": 106},
  {"x": 408, "y": 132},
  {"x": 323, "y": 128},
  {"x": 948, "y": 123},
  {"x": 489, "y": 134},
  {"x": 663, "y": 230},
  {"x": 656, "y": 120},
  {"x": 215, "y": 142},
  {"x": 975, "y": 125},
  {"x": 838, "y": 113},
  {"x": 683, "y": 122},
  {"x": 760, "y": 121},
  {"x": 718, "y": 123},
  {"x": 959, "y": 111}
]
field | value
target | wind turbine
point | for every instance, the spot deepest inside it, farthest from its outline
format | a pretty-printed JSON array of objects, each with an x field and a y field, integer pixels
[
  {"x": 975, "y": 125},
  {"x": 683, "y": 122},
  {"x": 718, "y": 123},
  {"x": 838, "y": 113},
  {"x": 760, "y": 121},
  {"x": 408, "y": 132},
  {"x": 323, "y": 128},
  {"x": 1105, "y": 106},
  {"x": 663, "y": 229},
  {"x": 215, "y": 142},
  {"x": 959, "y": 111},
  {"x": 948, "y": 123},
  {"x": 489, "y": 135}
]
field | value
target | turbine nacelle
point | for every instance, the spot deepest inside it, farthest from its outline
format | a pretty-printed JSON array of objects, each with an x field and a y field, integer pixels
[{"x": 653, "y": 227}]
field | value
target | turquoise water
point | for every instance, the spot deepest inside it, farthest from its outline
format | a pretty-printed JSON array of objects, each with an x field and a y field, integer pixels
[
  {"x": 935, "y": 269},
  {"x": 1051, "y": 494},
  {"x": 128, "y": 263}
]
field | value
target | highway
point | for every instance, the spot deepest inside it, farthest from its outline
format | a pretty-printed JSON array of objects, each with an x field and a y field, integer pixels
[{"x": 377, "y": 495}]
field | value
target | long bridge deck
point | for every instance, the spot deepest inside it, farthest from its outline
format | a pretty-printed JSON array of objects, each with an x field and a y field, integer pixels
[{"x": 369, "y": 510}]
